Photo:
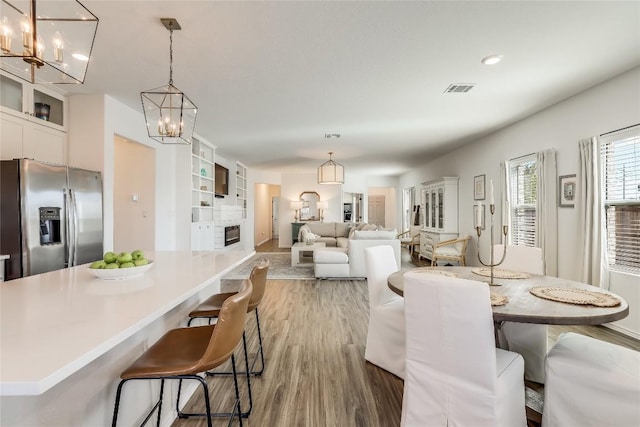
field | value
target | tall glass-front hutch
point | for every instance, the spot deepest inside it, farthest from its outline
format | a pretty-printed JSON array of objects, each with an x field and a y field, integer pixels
[{"x": 439, "y": 200}]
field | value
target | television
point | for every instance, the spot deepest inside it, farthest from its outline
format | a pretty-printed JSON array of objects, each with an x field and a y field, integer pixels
[{"x": 222, "y": 181}]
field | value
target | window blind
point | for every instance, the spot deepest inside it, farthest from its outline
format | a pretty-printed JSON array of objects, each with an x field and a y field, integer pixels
[
  {"x": 524, "y": 196},
  {"x": 620, "y": 152}
]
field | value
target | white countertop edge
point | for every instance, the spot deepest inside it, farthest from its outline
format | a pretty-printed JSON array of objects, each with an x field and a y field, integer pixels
[{"x": 40, "y": 387}]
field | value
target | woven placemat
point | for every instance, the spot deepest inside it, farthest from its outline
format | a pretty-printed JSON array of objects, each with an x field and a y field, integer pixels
[
  {"x": 497, "y": 299},
  {"x": 432, "y": 270},
  {"x": 500, "y": 273},
  {"x": 575, "y": 296}
]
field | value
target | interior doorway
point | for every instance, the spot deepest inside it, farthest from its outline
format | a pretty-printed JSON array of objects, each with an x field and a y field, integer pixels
[
  {"x": 133, "y": 196},
  {"x": 376, "y": 209}
]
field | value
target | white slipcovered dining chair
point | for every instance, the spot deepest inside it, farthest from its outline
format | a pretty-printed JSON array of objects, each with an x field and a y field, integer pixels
[
  {"x": 527, "y": 339},
  {"x": 455, "y": 376},
  {"x": 591, "y": 383},
  {"x": 385, "y": 334}
]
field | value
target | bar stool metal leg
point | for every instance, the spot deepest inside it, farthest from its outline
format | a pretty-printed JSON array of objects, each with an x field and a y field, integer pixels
[
  {"x": 253, "y": 372},
  {"x": 237, "y": 408}
]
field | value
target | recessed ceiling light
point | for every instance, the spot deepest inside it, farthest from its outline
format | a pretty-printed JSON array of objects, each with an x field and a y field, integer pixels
[
  {"x": 80, "y": 57},
  {"x": 491, "y": 59}
]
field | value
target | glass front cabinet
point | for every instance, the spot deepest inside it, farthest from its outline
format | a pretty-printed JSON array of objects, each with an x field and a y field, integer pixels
[
  {"x": 32, "y": 121},
  {"x": 439, "y": 200}
]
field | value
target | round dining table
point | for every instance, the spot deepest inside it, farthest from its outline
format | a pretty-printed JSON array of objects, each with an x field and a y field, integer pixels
[{"x": 524, "y": 307}]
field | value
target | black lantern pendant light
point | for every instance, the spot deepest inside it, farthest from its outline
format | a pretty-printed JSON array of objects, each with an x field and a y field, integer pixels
[{"x": 169, "y": 113}]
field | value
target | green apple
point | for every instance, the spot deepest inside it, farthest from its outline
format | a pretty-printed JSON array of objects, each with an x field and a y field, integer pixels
[
  {"x": 137, "y": 254},
  {"x": 109, "y": 257},
  {"x": 124, "y": 257},
  {"x": 98, "y": 265},
  {"x": 128, "y": 264},
  {"x": 141, "y": 261},
  {"x": 111, "y": 266}
]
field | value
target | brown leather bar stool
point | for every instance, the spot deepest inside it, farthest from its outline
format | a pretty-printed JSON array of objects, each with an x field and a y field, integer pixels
[
  {"x": 210, "y": 308},
  {"x": 185, "y": 352}
]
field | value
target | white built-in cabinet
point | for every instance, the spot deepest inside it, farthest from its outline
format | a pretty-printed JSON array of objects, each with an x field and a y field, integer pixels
[
  {"x": 24, "y": 130},
  {"x": 202, "y": 180},
  {"x": 241, "y": 188},
  {"x": 439, "y": 200},
  {"x": 202, "y": 194}
]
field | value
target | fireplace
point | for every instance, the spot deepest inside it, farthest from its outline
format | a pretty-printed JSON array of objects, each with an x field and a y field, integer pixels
[{"x": 231, "y": 235}]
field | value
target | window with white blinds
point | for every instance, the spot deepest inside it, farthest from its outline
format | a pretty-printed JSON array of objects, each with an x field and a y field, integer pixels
[
  {"x": 621, "y": 195},
  {"x": 523, "y": 183}
]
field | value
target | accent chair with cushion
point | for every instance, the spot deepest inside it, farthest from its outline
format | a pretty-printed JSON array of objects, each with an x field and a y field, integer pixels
[
  {"x": 451, "y": 250},
  {"x": 410, "y": 239},
  {"x": 591, "y": 383},
  {"x": 454, "y": 374},
  {"x": 385, "y": 335},
  {"x": 528, "y": 339}
]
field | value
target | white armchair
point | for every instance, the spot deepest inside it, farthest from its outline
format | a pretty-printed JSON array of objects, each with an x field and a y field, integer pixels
[
  {"x": 454, "y": 374},
  {"x": 385, "y": 336},
  {"x": 451, "y": 250},
  {"x": 591, "y": 383}
]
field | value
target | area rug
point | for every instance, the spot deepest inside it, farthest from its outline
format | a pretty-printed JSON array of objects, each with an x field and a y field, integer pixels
[{"x": 280, "y": 267}]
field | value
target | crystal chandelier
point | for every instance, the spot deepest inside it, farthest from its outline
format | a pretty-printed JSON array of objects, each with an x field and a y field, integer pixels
[
  {"x": 169, "y": 113},
  {"x": 46, "y": 41}
]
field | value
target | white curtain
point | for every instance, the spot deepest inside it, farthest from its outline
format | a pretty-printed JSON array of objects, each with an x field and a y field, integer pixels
[
  {"x": 547, "y": 209},
  {"x": 589, "y": 214},
  {"x": 506, "y": 199}
]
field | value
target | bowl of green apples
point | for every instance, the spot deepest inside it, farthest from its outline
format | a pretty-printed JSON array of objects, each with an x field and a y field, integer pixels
[{"x": 119, "y": 266}]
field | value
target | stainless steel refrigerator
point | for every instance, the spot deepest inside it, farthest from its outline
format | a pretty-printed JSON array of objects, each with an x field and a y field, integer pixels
[{"x": 51, "y": 217}]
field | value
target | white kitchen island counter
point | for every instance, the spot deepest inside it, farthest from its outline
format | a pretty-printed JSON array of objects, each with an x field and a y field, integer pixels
[{"x": 55, "y": 324}]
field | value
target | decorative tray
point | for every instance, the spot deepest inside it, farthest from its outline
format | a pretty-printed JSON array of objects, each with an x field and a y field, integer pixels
[
  {"x": 120, "y": 273},
  {"x": 497, "y": 299},
  {"x": 575, "y": 296},
  {"x": 432, "y": 270},
  {"x": 499, "y": 273}
]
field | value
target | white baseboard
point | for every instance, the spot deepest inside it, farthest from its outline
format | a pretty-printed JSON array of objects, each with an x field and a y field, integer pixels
[
  {"x": 262, "y": 242},
  {"x": 625, "y": 331}
]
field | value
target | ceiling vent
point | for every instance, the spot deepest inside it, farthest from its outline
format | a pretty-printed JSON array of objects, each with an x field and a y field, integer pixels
[{"x": 459, "y": 87}]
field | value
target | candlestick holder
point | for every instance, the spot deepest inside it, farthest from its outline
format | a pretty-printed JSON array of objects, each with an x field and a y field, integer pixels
[{"x": 492, "y": 264}]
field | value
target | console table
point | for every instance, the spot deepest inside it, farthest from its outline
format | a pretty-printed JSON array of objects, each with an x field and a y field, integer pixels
[{"x": 295, "y": 228}]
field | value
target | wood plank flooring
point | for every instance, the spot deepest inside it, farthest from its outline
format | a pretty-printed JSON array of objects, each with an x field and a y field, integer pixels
[{"x": 316, "y": 376}]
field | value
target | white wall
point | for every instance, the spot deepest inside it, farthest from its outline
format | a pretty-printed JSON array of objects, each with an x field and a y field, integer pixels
[
  {"x": 94, "y": 122},
  {"x": 609, "y": 106}
]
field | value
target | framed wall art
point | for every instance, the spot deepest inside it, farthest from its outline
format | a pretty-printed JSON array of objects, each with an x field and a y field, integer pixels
[
  {"x": 567, "y": 191},
  {"x": 478, "y": 187}
]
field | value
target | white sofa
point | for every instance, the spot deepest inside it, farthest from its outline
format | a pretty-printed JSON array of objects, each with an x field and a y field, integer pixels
[{"x": 350, "y": 262}]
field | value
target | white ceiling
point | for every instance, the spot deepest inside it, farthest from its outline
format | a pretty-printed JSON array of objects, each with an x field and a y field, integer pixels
[{"x": 271, "y": 78}]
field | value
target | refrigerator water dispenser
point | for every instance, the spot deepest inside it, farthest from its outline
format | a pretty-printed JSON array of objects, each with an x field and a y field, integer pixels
[{"x": 50, "y": 226}]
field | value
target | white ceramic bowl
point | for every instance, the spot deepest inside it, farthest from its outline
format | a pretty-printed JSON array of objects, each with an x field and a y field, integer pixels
[{"x": 120, "y": 273}]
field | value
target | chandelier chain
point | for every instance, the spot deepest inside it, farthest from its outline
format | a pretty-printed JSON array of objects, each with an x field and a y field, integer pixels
[{"x": 171, "y": 55}]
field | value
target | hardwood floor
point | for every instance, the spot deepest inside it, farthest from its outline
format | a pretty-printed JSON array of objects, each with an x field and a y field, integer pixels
[
  {"x": 271, "y": 246},
  {"x": 314, "y": 334}
]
